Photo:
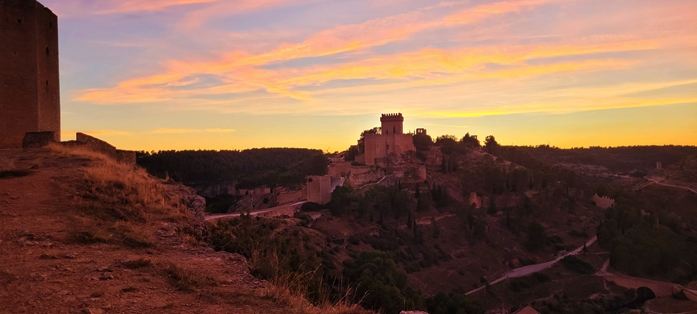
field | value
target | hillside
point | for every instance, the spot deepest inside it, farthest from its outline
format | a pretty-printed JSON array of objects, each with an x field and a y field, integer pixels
[
  {"x": 537, "y": 233},
  {"x": 82, "y": 233}
]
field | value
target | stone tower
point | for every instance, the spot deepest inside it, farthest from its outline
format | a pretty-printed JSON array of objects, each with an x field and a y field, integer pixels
[
  {"x": 29, "y": 87},
  {"x": 392, "y": 123}
]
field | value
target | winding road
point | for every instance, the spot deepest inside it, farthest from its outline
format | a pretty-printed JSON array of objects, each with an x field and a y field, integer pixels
[
  {"x": 660, "y": 182},
  {"x": 530, "y": 269},
  {"x": 255, "y": 213}
]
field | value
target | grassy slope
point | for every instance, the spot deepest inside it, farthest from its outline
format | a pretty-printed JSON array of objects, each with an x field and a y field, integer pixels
[{"x": 79, "y": 231}]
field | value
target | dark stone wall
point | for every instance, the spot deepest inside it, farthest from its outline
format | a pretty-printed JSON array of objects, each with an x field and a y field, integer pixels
[
  {"x": 97, "y": 145},
  {"x": 38, "y": 139},
  {"x": 48, "y": 86},
  {"x": 29, "y": 91}
]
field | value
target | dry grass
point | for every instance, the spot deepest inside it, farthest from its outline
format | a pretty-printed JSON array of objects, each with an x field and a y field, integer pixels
[
  {"x": 290, "y": 291},
  {"x": 121, "y": 203},
  {"x": 184, "y": 279},
  {"x": 7, "y": 164},
  {"x": 8, "y": 169}
]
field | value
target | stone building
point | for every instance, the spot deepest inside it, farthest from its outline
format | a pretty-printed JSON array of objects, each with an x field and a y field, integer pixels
[
  {"x": 390, "y": 139},
  {"x": 29, "y": 90},
  {"x": 319, "y": 188}
]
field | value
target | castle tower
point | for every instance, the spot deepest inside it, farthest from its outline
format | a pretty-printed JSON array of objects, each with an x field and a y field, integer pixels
[
  {"x": 392, "y": 123},
  {"x": 29, "y": 89}
]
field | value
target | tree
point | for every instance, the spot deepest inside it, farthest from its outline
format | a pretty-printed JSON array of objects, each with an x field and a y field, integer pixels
[
  {"x": 342, "y": 199},
  {"x": 537, "y": 236},
  {"x": 470, "y": 141},
  {"x": 491, "y": 145},
  {"x": 422, "y": 142},
  {"x": 317, "y": 165},
  {"x": 380, "y": 283},
  {"x": 492, "y": 210},
  {"x": 436, "y": 228}
]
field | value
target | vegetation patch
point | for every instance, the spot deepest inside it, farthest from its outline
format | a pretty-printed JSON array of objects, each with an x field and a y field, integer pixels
[
  {"x": 577, "y": 265},
  {"x": 183, "y": 279},
  {"x": 136, "y": 263},
  {"x": 9, "y": 174}
]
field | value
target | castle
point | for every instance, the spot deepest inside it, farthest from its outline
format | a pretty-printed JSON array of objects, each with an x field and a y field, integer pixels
[
  {"x": 29, "y": 88},
  {"x": 389, "y": 139}
]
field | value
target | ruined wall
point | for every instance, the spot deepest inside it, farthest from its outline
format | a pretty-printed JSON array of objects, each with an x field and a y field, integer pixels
[
  {"x": 363, "y": 175},
  {"x": 29, "y": 89},
  {"x": 97, "y": 145},
  {"x": 290, "y": 196},
  {"x": 38, "y": 139},
  {"x": 339, "y": 169}
]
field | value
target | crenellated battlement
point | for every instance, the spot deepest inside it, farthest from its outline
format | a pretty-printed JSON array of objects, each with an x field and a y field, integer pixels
[{"x": 392, "y": 117}]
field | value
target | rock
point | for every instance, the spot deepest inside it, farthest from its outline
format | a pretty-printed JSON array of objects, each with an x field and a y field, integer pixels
[
  {"x": 62, "y": 292},
  {"x": 196, "y": 205},
  {"x": 106, "y": 276},
  {"x": 37, "y": 277}
]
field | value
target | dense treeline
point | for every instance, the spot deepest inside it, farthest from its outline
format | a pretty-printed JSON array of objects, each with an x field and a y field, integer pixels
[
  {"x": 649, "y": 241},
  {"x": 252, "y": 167},
  {"x": 621, "y": 159}
]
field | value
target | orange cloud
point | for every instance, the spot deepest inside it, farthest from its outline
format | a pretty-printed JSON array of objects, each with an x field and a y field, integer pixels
[
  {"x": 424, "y": 63},
  {"x": 130, "y": 6},
  {"x": 418, "y": 65}
]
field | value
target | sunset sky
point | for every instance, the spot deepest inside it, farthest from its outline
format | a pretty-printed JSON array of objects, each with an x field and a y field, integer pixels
[{"x": 235, "y": 74}]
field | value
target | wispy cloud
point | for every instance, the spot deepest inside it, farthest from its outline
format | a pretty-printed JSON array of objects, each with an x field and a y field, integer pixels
[{"x": 130, "y": 6}]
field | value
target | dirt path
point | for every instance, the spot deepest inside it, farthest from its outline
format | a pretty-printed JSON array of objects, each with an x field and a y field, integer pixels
[
  {"x": 660, "y": 288},
  {"x": 530, "y": 269}
]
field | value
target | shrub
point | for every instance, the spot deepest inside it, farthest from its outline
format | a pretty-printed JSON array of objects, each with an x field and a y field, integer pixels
[
  {"x": 136, "y": 263},
  {"x": 577, "y": 265},
  {"x": 182, "y": 279}
]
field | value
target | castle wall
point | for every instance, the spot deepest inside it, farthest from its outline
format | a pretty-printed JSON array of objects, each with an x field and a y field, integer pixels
[
  {"x": 97, "y": 145},
  {"x": 289, "y": 197},
  {"x": 339, "y": 169},
  {"x": 29, "y": 91},
  {"x": 379, "y": 145}
]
